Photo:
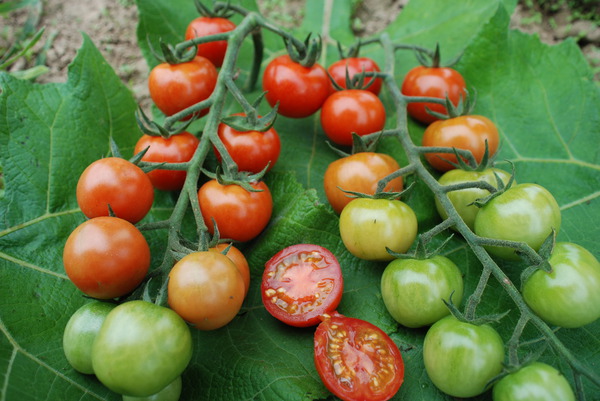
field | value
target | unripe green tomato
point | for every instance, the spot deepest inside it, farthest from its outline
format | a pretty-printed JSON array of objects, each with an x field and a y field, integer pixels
[
  {"x": 81, "y": 331},
  {"x": 534, "y": 382},
  {"x": 169, "y": 393},
  {"x": 413, "y": 289}
]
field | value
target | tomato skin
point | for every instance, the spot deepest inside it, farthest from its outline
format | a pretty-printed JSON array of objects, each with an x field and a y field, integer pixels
[
  {"x": 525, "y": 212},
  {"x": 432, "y": 82},
  {"x": 460, "y": 358},
  {"x": 351, "y": 110},
  {"x": 170, "y": 393},
  {"x": 238, "y": 258},
  {"x": 175, "y": 87},
  {"x": 205, "y": 26},
  {"x": 359, "y": 172},
  {"x": 369, "y": 226},
  {"x": 413, "y": 289},
  {"x": 354, "y": 66},
  {"x": 240, "y": 215},
  {"x": 569, "y": 296},
  {"x": 300, "y": 283},
  {"x": 350, "y": 353},
  {"x": 116, "y": 182},
  {"x": 299, "y": 90},
  {"x": 178, "y": 148},
  {"x": 141, "y": 348},
  {"x": 106, "y": 257},
  {"x": 534, "y": 382},
  {"x": 463, "y": 132}
]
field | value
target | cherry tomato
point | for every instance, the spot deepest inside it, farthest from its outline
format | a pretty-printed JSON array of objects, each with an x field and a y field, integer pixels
[
  {"x": 461, "y": 358},
  {"x": 369, "y": 226},
  {"x": 170, "y": 393},
  {"x": 569, "y": 296},
  {"x": 464, "y": 132},
  {"x": 238, "y": 258},
  {"x": 300, "y": 283},
  {"x": 525, "y": 213},
  {"x": 141, "y": 348},
  {"x": 357, "y": 360},
  {"x": 354, "y": 66},
  {"x": 175, "y": 87},
  {"x": 413, "y": 289},
  {"x": 240, "y": 215},
  {"x": 106, "y": 257},
  {"x": 359, "y": 172},
  {"x": 534, "y": 382},
  {"x": 206, "y": 289},
  {"x": 117, "y": 183},
  {"x": 205, "y": 26},
  {"x": 299, "y": 90},
  {"x": 251, "y": 150},
  {"x": 432, "y": 82}
]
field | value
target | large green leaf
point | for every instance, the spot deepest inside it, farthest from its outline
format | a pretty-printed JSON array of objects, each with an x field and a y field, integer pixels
[{"x": 542, "y": 98}]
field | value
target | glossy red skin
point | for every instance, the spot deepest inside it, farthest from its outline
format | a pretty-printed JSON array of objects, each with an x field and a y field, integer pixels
[
  {"x": 238, "y": 258},
  {"x": 354, "y": 66},
  {"x": 300, "y": 283},
  {"x": 432, "y": 82},
  {"x": 175, "y": 87},
  {"x": 351, "y": 110},
  {"x": 116, "y": 182},
  {"x": 178, "y": 148},
  {"x": 205, "y": 26},
  {"x": 353, "y": 345},
  {"x": 464, "y": 132},
  {"x": 106, "y": 257},
  {"x": 240, "y": 215},
  {"x": 299, "y": 90}
]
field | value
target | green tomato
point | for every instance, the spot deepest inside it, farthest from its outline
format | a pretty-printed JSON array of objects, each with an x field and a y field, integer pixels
[
  {"x": 169, "y": 393},
  {"x": 81, "y": 331},
  {"x": 524, "y": 213},
  {"x": 413, "y": 289},
  {"x": 141, "y": 348},
  {"x": 462, "y": 199},
  {"x": 534, "y": 382},
  {"x": 368, "y": 226},
  {"x": 569, "y": 296},
  {"x": 461, "y": 358}
]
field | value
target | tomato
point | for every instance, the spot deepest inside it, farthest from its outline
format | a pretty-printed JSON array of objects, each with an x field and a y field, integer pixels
[
  {"x": 205, "y": 26},
  {"x": 240, "y": 215},
  {"x": 117, "y": 183},
  {"x": 569, "y": 296},
  {"x": 464, "y": 132},
  {"x": 141, "y": 348},
  {"x": 206, "y": 289},
  {"x": 81, "y": 331},
  {"x": 461, "y": 358},
  {"x": 175, "y": 87},
  {"x": 534, "y": 382},
  {"x": 357, "y": 360},
  {"x": 178, "y": 148},
  {"x": 463, "y": 198},
  {"x": 436, "y": 82},
  {"x": 106, "y": 257},
  {"x": 359, "y": 172},
  {"x": 300, "y": 283},
  {"x": 170, "y": 393},
  {"x": 352, "y": 66},
  {"x": 239, "y": 259},
  {"x": 251, "y": 150},
  {"x": 299, "y": 90},
  {"x": 351, "y": 110},
  {"x": 413, "y": 289},
  {"x": 369, "y": 226},
  {"x": 525, "y": 213}
]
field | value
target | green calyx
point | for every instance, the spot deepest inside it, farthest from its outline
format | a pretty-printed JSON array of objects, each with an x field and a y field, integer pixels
[
  {"x": 219, "y": 10},
  {"x": 305, "y": 54},
  {"x": 433, "y": 59}
]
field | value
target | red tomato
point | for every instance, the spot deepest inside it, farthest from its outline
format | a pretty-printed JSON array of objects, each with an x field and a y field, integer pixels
[
  {"x": 238, "y": 258},
  {"x": 354, "y": 66},
  {"x": 464, "y": 132},
  {"x": 106, "y": 257},
  {"x": 175, "y": 149},
  {"x": 251, "y": 150},
  {"x": 117, "y": 183},
  {"x": 356, "y": 360},
  {"x": 432, "y": 82},
  {"x": 299, "y": 90},
  {"x": 175, "y": 87},
  {"x": 205, "y": 26},
  {"x": 300, "y": 283},
  {"x": 240, "y": 215}
]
